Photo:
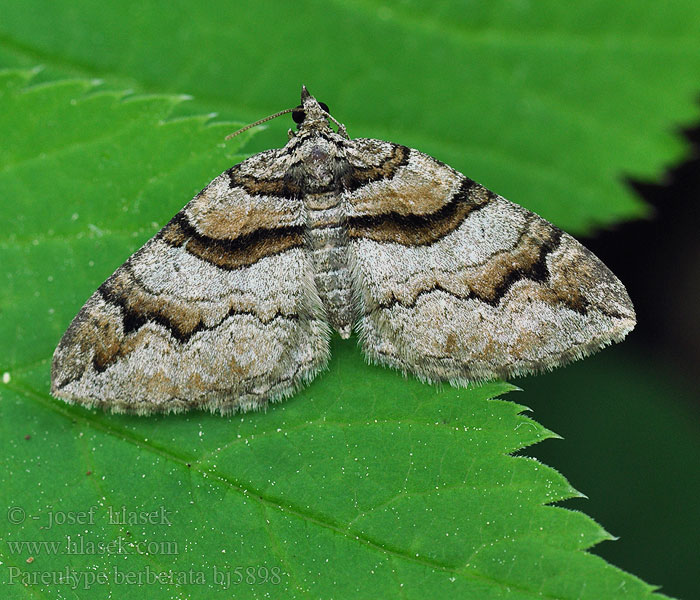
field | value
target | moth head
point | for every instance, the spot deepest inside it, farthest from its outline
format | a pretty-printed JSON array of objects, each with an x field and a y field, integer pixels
[{"x": 310, "y": 114}]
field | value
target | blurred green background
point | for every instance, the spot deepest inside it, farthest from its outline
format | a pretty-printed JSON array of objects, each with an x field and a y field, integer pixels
[{"x": 574, "y": 111}]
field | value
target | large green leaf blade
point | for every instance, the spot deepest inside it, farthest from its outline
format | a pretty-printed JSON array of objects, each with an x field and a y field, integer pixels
[
  {"x": 290, "y": 490},
  {"x": 365, "y": 484}
]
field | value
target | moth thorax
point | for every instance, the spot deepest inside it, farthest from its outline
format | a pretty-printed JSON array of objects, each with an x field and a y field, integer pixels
[{"x": 317, "y": 157}]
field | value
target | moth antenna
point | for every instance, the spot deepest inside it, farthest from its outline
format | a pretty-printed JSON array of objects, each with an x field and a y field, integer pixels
[
  {"x": 332, "y": 118},
  {"x": 280, "y": 113}
]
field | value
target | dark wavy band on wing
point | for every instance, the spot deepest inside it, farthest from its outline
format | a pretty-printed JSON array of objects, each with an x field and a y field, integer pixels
[
  {"x": 296, "y": 183},
  {"x": 493, "y": 279},
  {"x": 234, "y": 253},
  {"x": 134, "y": 319},
  {"x": 422, "y": 229},
  {"x": 358, "y": 177},
  {"x": 139, "y": 307}
]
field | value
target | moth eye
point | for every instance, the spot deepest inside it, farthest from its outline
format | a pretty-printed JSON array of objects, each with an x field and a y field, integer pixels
[{"x": 298, "y": 114}]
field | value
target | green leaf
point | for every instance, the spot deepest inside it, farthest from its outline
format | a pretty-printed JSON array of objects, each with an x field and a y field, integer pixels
[
  {"x": 366, "y": 484},
  {"x": 637, "y": 468},
  {"x": 551, "y": 104}
]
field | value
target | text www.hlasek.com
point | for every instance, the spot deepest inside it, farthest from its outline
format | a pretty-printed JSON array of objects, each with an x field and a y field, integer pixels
[{"x": 80, "y": 545}]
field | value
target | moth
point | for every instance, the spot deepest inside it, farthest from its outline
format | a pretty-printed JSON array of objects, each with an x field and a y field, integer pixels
[{"x": 232, "y": 304}]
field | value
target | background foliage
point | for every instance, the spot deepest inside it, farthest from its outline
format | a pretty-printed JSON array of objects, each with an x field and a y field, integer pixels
[{"x": 548, "y": 104}]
